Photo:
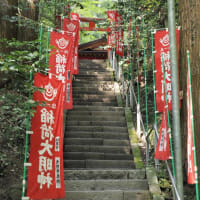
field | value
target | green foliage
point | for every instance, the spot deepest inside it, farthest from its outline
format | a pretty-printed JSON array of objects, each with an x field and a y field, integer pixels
[{"x": 18, "y": 59}]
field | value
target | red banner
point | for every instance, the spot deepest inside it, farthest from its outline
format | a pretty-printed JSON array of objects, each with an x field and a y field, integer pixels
[
  {"x": 73, "y": 27},
  {"x": 119, "y": 49},
  {"x": 112, "y": 39},
  {"x": 190, "y": 152},
  {"x": 60, "y": 62},
  {"x": 46, "y": 175},
  {"x": 162, "y": 48},
  {"x": 75, "y": 16},
  {"x": 112, "y": 15},
  {"x": 163, "y": 145},
  {"x": 115, "y": 38}
]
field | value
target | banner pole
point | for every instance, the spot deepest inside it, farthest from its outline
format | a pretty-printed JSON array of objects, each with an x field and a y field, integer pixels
[
  {"x": 145, "y": 76},
  {"x": 138, "y": 86},
  {"x": 154, "y": 93},
  {"x": 47, "y": 50},
  {"x": 61, "y": 23},
  {"x": 175, "y": 98},
  {"x": 28, "y": 119},
  {"x": 40, "y": 46},
  {"x": 168, "y": 119},
  {"x": 193, "y": 132}
]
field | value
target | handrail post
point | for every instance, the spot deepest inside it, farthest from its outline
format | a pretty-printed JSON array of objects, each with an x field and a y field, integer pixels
[{"x": 175, "y": 98}]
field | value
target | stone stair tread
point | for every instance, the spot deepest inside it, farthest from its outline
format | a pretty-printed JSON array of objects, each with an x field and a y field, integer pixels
[
  {"x": 93, "y": 100},
  {"x": 95, "y": 118},
  {"x": 97, "y": 108},
  {"x": 94, "y": 103},
  {"x": 99, "y": 164},
  {"x": 95, "y": 123},
  {"x": 104, "y": 174},
  {"x": 108, "y": 195},
  {"x": 95, "y": 148},
  {"x": 108, "y": 184},
  {"x": 96, "y": 128},
  {"x": 91, "y": 78},
  {"x": 96, "y": 156},
  {"x": 106, "y": 135},
  {"x": 96, "y": 141},
  {"x": 93, "y": 88},
  {"x": 108, "y": 95},
  {"x": 97, "y": 112}
]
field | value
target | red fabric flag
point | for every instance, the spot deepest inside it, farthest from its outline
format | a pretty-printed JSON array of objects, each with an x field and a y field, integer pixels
[
  {"x": 46, "y": 174},
  {"x": 112, "y": 15},
  {"x": 163, "y": 145},
  {"x": 73, "y": 27},
  {"x": 119, "y": 49},
  {"x": 119, "y": 35},
  {"x": 190, "y": 152},
  {"x": 162, "y": 48},
  {"x": 75, "y": 16},
  {"x": 60, "y": 62}
]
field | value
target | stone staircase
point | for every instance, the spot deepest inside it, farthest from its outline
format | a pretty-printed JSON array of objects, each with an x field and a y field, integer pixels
[{"x": 98, "y": 159}]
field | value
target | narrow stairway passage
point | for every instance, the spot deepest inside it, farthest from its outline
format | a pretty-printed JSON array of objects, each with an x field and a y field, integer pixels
[{"x": 98, "y": 159}]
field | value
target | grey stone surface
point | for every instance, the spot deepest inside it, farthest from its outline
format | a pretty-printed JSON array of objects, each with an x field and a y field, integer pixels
[
  {"x": 98, "y": 185},
  {"x": 104, "y": 174},
  {"x": 98, "y": 157},
  {"x": 95, "y": 195}
]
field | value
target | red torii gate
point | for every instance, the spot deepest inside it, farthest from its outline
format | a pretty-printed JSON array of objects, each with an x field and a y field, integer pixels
[{"x": 91, "y": 22}]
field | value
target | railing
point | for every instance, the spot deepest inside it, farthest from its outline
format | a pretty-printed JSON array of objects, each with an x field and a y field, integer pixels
[{"x": 131, "y": 100}]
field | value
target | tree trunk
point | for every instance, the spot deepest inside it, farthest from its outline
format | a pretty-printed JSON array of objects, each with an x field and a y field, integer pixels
[
  {"x": 190, "y": 40},
  {"x": 7, "y": 10},
  {"x": 29, "y": 30}
]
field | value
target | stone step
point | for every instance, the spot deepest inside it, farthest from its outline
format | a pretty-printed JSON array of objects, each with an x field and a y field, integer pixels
[
  {"x": 97, "y": 108},
  {"x": 92, "y": 92},
  {"x": 71, "y": 116},
  {"x": 108, "y": 195},
  {"x": 99, "y": 164},
  {"x": 104, "y": 174},
  {"x": 97, "y": 128},
  {"x": 109, "y": 95},
  {"x": 93, "y": 82},
  {"x": 96, "y": 156},
  {"x": 83, "y": 77},
  {"x": 95, "y": 123},
  {"x": 94, "y": 73},
  {"x": 95, "y": 141},
  {"x": 96, "y": 113},
  {"x": 91, "y": 89},
  {"x": 98, "y": 149},
  {"x": 108, "y": 184},
  {"x": 85, "y": 67},
  {"x": 77, "y": 102},
  {"x": 105, "y": 135},
  {"x": 91, "y": 67},
  {"x": 97, "y": 84},
  {"x": 93, "y": 97}
]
